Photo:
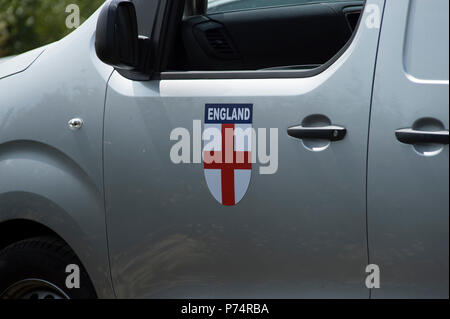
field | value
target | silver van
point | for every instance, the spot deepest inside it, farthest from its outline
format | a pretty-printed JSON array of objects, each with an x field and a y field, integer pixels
[{"x": 230, "y": 149}]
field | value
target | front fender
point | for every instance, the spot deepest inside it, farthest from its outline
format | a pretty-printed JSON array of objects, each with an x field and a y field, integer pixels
[{"x": 41, "y": 184}]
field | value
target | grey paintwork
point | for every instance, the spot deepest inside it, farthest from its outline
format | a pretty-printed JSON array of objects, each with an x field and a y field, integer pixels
[
  {"x": 408, "y": 201},
  {"x": 3, "y": 60},
  {"x": 19, "y": 63},
  {"x": 48, "y": 173},
  {"x": 298, "y": 233}
]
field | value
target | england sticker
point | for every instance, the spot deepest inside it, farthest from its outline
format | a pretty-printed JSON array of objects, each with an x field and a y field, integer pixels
[{"x": 227, "y": 149}]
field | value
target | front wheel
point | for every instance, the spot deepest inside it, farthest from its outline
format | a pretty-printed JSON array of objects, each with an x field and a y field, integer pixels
[{"x": 36, "y": 269}]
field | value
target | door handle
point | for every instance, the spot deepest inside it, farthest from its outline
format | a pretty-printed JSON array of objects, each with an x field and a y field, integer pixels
[
  {"x": 330, "y": 132},
  {"x": 411, "y": 136}
]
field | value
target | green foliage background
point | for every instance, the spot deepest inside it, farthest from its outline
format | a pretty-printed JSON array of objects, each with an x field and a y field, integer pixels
[{"x": 28, "y": 24}]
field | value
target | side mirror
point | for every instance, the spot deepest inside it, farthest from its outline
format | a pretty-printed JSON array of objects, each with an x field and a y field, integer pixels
[{"x": 116, "y": 38}]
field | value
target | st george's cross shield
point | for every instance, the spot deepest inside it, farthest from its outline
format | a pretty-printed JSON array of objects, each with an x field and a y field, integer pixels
[{"x": 227, "y": 156}]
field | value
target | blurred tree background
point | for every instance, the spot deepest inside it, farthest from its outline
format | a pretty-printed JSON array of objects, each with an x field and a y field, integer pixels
[{"x": 28, "y": 24}]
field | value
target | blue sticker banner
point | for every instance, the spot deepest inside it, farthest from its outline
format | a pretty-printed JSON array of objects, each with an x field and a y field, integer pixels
[{"x": 229, "y": 113}]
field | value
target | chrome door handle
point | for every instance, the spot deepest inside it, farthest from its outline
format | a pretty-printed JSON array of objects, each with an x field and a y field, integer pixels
[
  {"x": 411, "y": 136},
  {"x": 329, "y": 132}
]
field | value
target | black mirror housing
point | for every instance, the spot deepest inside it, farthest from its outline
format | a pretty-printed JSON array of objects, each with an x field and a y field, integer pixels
[{"x": 116, "y": 38}]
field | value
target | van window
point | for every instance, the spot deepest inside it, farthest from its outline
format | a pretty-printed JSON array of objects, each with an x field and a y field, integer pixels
[
  {"x": 215, "y": 6},
  {"x": 145, "y": 13},
  {"x": 296, "y": 37}
]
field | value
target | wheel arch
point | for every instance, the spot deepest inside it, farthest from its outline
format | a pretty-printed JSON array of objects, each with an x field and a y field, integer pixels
[
  {"x": 43, "y": 191},
  {"x": 14, "y": 230}
]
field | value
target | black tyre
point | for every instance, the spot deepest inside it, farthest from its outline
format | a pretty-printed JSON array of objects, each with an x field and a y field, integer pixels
[{"x": 36, "y": 269}]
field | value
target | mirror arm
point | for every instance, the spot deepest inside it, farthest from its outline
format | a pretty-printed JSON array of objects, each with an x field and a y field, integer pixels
[
  {"x": 143, "y": 71},
  {"x": 144, "y": 52}
]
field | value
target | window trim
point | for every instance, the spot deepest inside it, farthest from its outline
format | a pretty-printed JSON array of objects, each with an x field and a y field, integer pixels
[{"x": 277, "y": 6}]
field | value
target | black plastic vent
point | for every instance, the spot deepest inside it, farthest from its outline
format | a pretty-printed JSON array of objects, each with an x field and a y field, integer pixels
[
  {"x": 215, "y": 41},
  {"x": 219, "y": 42}
]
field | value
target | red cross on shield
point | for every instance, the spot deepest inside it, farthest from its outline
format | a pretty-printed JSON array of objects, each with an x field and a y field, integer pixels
[{"x": 227, "y": 151}]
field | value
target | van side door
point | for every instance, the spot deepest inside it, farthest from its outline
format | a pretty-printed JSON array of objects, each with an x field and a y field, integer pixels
[{"x": 408, "y": 176}]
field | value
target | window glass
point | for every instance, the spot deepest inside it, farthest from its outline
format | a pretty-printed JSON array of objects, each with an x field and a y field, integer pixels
[
  {"x": 283, "y": 37},
  {"x": 215, "y": 6},
  {"x": 29, "y": 24},
  {"x": 146, "y": 13}
]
